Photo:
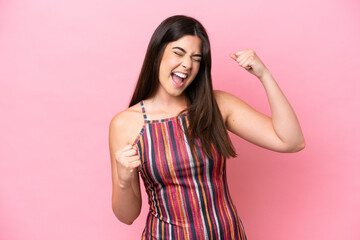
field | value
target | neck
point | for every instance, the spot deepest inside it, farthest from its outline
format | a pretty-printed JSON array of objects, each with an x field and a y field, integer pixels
[{"x": 166, "y": 103}]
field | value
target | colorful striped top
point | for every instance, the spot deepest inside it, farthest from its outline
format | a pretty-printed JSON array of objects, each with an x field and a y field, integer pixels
[{"x": 188, "y": 195}]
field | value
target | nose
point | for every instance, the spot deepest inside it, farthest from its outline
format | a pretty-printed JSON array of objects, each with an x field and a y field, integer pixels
[{"x": 187, "y": 63}]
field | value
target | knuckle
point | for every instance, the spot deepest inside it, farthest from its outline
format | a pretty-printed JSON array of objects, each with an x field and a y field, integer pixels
[
  {"x": 123, "y": 161},
  {"x": 118, "y": 158}
]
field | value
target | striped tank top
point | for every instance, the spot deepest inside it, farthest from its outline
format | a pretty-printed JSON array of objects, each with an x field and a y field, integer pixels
[{"x": 187, "y": 193}]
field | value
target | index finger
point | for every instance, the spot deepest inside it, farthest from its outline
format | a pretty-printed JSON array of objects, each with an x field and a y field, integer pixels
[
  {"x": 127, "y": 147},
  {"x": 239, "y": 52}
]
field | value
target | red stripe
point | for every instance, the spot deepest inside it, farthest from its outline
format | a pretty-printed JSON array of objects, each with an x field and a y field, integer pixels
[{"x": 169, "y": 208}]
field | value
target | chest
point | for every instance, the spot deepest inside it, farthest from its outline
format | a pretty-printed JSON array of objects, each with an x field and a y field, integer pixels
[{"x": 166, "y": 157}]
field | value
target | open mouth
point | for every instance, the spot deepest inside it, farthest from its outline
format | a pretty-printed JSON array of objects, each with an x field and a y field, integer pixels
[{"x": 178, "y": 78}]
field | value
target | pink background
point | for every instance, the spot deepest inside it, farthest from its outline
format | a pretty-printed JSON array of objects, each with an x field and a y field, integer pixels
[{"x": 67, "y": 67}]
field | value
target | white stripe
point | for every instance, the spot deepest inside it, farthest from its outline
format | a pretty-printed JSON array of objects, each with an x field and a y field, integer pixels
[
  {"x": 153, "y": 175},
  {"x": 211, "y": 195},
  {"x": 192, "y": 167}
]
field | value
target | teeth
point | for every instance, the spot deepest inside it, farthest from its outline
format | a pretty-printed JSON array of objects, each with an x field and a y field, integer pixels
[{"x": 180, "y": 74}]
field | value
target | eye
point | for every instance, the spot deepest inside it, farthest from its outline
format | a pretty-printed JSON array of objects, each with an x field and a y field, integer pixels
[
  {"x": 177, "y": 53},
  {"x": 196, "y": 59}
]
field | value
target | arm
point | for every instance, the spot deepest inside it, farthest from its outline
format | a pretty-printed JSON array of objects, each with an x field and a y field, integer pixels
[
  {"x": 126, "y": 194},
  {"x": 281, "y": 132}
]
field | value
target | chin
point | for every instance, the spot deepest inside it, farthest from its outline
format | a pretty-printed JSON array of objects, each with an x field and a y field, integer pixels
[{"x": 177, "y": 94}]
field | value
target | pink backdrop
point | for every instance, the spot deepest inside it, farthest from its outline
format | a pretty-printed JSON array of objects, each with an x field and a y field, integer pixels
[{"x": 67, "y": 67}]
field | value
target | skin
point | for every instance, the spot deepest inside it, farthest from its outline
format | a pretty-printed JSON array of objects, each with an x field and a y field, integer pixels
[
  {"x": 281, "y": 132},
  {"x": 182, "y": 56}
]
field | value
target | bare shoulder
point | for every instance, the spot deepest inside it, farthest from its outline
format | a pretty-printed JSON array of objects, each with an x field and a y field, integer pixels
[
  {"x": 221, "y": 97},
  {"x": 227, "y": 102},
  {"x": 125, "y": 117},
  {"x": 126, "y": 125}
]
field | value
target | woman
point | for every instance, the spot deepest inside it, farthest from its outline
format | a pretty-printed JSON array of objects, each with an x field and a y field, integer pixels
[{"x": 175, "y": 134}]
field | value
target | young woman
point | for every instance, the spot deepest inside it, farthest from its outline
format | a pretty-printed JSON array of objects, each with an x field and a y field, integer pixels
[{"x": 175, "y": 134}]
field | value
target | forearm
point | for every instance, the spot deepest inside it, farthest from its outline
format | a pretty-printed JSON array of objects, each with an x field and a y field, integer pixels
[
  {"x": 126, "y": 204},
  {"x": 284, "y": 120}
]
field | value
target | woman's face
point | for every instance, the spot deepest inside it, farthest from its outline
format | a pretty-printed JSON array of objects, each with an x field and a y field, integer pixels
[{"x": 179, "y": 65}]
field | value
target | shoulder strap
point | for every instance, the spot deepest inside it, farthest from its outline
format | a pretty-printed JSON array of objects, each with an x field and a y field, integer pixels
[{"x": 143, "y": 109}]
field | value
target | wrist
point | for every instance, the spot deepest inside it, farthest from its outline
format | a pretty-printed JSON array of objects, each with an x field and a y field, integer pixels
[
  {"x": 124, "y": 185},
  {"x": 265, "y": 76}
]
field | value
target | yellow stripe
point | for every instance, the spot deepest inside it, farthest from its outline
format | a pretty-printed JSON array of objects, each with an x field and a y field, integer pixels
[{"x": 170, "y": 163}]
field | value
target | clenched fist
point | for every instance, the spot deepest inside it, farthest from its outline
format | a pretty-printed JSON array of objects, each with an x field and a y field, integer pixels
[
  {"x": 127, "y": 161},
  {"x": 251, "y": 62}
]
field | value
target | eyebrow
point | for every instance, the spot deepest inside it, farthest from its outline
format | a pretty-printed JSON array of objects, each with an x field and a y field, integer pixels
[{"x": 183, "y": 50}]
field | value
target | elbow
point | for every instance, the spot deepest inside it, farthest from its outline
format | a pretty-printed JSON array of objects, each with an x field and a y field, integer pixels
[
  {"x": 124, "y": 218},
  {"x": 303, "y": 144},
  {"x": 297, "y": 147},
  {"x": 300, "y": 147},
  {"x": 127, "y": 222}
]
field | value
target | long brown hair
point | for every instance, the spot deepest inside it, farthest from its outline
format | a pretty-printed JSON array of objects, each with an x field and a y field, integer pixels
[{"x": 205, "y": 120}]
